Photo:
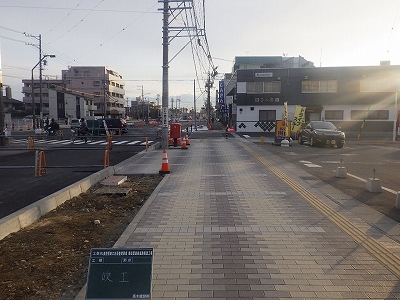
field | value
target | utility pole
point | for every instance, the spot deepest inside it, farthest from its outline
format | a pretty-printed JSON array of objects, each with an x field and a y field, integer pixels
[
  {"x": 180, "y": 6},
  {"x": 165, "y": 67},
  {"x": 208, "y": 87},
  {"x": 39, "y": 46},
  {"x": 142, "y": 104},
  {"x": 172, "y": 107},
  {"x": 194, "y": 104},
  {"x": 40, "y": 83}
]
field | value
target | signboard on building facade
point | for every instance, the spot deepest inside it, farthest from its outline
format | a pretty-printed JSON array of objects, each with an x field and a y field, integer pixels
[
  {"x": 221, "y": 93},
  {"x": 263, "y": 75}
]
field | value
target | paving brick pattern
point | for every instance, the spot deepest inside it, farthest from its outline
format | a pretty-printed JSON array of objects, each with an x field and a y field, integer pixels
[{"x": 225, "y": 227}]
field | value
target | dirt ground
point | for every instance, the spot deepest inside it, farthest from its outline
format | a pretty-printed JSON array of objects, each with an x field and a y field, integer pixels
[{"x": 49, "y": 259}]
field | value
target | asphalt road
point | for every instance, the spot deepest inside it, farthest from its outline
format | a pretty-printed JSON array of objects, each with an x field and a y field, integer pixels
[
  {"x": 66, "y": 164},
  {"x": 70, "y": 163},
  {"x": 362, "y": 160}
]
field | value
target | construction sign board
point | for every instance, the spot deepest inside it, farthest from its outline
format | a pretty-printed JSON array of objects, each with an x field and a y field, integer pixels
[{"x": 119, "y": 273}]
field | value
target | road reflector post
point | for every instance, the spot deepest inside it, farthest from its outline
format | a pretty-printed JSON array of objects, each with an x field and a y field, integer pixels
[
  {"x": 106, "y": 158},
  {"x": 31, "y": 143},
  {"x": 147, "y": 143},
  {"x": 41, "y": 163},
  {"x": 109, "y": 143}
]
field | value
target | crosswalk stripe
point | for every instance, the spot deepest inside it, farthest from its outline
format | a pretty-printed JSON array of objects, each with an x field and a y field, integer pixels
[
  {"x": 120, "y": 143},
  {"x": 78, "y": 142}
]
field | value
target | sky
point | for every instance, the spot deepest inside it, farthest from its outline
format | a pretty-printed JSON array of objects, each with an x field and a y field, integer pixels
[{"x": 126, "y": 35}]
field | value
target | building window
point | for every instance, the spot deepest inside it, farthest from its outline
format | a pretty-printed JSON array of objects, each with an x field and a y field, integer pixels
[
  {"x": 96, "y": 83},
  {"x": 370, "y": 115},
  {"x": 377, "y": 85},
  {"x": 267, "y": 115},
  {"x": 272, "y": 87},
  {"x": 334, "y": 115},
  {"x": 319, "y": 86},
  {"x": 86, "y": 73},
  {"x": 259, "y": 87}
]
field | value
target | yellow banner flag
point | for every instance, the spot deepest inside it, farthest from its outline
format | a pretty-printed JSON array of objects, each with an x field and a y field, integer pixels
[
  {"x": 285, "y": 111},
  {"x": 299, "y": 118}
]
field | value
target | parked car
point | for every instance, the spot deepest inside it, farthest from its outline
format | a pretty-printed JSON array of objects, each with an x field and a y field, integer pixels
[
  {"x": 321, "y": 133},
  {"x": 75, "y": 123}
]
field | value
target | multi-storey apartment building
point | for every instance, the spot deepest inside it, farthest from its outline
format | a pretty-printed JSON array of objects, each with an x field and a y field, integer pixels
[
  {"x": 102, "y": 84},
  {"x": 83, "y": 91},
  {"x": 43, "y": 92}
]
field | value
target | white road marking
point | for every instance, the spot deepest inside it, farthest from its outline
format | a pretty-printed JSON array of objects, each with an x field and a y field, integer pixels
[{"x": 312, "y": 166}]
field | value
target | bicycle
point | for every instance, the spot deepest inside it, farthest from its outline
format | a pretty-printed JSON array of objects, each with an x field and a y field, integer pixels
[{"x": 76, "y": 135}]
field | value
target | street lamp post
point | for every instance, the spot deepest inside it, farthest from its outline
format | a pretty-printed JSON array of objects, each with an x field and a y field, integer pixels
[{"x": 33, "y": 92}]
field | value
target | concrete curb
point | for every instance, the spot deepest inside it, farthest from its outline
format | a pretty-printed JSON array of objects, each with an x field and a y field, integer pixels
[
  {"x": 28, "y": 215},
  {"x": 31, "y": 213}
]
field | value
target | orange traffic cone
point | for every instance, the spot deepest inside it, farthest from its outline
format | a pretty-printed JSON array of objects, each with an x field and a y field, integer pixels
[
  {"x": 184, "y": 144},
  {"x": 165, "y": 169},
  {"x": 187, "y": 140}
]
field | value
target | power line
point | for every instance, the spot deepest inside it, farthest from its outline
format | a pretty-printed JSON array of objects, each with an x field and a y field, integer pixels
[
  {"x": 11, "y": 39},
  {"x": 65, "y": 16},
  {"x": 77, "y": 9},
  {"x": 76, "y": 25},
  {"x": 396, "y": 20},
  {"x": 122, "y": 30}
]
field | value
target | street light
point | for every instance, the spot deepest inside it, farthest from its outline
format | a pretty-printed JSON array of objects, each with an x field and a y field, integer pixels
[{"x": 33, "y": 92}]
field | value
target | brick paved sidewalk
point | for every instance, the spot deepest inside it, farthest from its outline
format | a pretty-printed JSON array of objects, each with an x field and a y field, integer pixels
[{"x": 224, "y": 225}]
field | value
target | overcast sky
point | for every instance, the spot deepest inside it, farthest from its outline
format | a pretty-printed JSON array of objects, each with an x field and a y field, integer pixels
[{"x": 126, "y": 35}]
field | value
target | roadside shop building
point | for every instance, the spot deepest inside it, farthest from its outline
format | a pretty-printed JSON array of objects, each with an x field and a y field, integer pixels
[{"x": 346, "y": 96}]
